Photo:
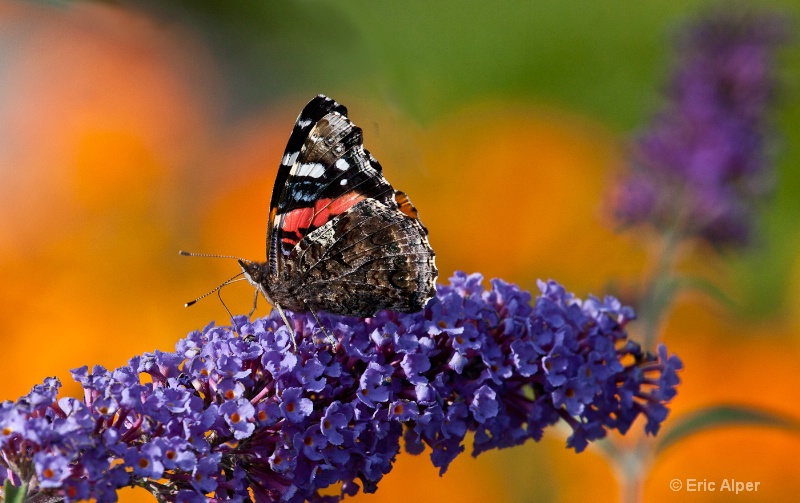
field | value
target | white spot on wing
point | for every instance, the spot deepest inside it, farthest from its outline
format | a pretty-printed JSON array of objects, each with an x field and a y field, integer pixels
[
  {"x": 342, "y": 165},
  {"x": 289, "y": 158},
  {"x": 324, "y": 236},
  {"x": 304, "y": 124},
  {"x": 312, "y": 169},
  {"x": 343, "y": 182}
]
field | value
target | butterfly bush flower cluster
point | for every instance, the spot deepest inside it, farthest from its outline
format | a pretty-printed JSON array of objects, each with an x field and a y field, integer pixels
[
  {"x": 238, "y": 415},
  {"x": 706, "y": 158}
]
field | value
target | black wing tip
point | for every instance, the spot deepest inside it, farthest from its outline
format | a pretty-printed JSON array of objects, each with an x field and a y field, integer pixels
[{"x": 321, "y": 105}]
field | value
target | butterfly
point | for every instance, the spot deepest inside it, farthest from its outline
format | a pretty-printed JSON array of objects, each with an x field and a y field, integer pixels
[{"x": 340, "y": 238}]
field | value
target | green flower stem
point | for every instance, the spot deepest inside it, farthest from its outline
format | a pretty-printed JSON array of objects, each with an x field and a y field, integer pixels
[{"x": 659, "y": 291}]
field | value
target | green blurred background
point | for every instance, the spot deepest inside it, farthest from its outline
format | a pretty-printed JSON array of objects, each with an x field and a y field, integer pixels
[{"x": 130, "y": 130}]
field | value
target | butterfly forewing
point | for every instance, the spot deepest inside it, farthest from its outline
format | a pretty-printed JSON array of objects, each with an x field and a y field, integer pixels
[{"x": 329, "y": 173}]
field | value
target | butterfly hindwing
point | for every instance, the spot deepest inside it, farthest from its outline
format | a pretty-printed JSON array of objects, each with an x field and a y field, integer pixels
[{"x": 370, "y": 258}]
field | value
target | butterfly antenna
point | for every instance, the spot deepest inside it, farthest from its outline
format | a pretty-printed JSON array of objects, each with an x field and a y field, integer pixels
[
  {"x": 207, "y": 255},
  {"x": 217, "y": 289}
]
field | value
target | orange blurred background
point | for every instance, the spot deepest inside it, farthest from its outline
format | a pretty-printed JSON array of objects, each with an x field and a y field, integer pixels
[{"x": 119, "y": 146}]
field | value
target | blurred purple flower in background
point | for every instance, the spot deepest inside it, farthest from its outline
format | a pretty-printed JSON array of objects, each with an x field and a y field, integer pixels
[
  {"x": 241, "y": 417},
  {"x": 698, "y": 169}
]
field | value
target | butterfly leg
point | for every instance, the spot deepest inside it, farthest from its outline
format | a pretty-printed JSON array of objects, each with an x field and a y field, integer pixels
[
  {"x": 330, "y": 337},
  {"x": 288, "y": 325},
  {"x": 233, "y": 322},
  {"x": 255, "y": 301}
]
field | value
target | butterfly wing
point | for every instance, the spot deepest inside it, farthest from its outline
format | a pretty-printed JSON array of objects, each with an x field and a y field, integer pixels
[
  {"x": 371, "y": 257},
  {"x": 340, "y": 238},
  {"x": 324, "y": 172}
]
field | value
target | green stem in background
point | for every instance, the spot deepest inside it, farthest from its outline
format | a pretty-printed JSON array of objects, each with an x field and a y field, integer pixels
[
  {"x": 632, "y": 466},
  {"x": 632, "y": 463},
  {"x": 659, "y": 290}
]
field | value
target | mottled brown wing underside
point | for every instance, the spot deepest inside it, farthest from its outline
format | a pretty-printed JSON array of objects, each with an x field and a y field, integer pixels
[{"x": 371, "y": 258}]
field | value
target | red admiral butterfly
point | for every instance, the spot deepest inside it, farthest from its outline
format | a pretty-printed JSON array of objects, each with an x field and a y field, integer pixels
[{"x": 340, "y": 239}]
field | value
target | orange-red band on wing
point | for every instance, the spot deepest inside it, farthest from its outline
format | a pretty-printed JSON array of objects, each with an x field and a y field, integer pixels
[
  {"x": 325, "y": 209},
  {"x": 297, "y": 222}
]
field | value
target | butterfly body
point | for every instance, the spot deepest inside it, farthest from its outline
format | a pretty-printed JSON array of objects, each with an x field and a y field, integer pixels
[{"x": 340, "y": 239}]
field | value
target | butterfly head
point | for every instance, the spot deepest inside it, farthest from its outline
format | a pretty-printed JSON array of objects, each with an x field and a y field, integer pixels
[{"x": 255, "y": 272}]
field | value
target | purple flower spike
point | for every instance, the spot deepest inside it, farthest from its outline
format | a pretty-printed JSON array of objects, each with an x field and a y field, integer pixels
[
  {"x": 705, "y": 160},
  {"x": 241, "y": 417}
]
